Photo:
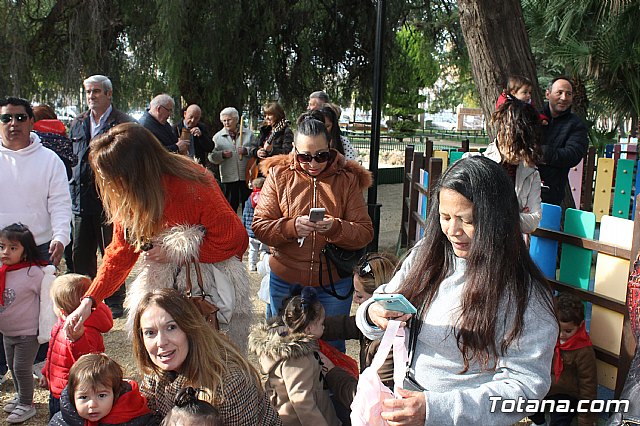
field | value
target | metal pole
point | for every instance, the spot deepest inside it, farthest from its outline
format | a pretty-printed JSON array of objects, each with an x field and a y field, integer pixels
[{"x": 372, "y": 195}]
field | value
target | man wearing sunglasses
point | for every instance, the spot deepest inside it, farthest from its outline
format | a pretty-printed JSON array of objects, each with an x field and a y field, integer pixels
[
  {"x": 90, "y": 230},
  {"x": 33, "y": 182},
  {"x": 156, "y": 121}
]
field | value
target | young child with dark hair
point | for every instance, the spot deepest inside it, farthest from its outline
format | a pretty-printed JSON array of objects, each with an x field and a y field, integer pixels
[
  {"x": 288, "y": 355},
  {"x": 574, "y": 374},
  {"x": 66, "y": 293},
  {"x": 189, "y": 410},
  {"x": 255, "y": 245},
  {"x": 20, "y": 285},
  {"x": 96, "y": 394}
]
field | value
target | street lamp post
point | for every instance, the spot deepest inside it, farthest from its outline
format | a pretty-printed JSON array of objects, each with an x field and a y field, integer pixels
[{"x": 372, "y": 194}]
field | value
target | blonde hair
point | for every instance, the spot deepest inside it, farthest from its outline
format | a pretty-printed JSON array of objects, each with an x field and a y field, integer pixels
[
  {"x": 93, "y": 370},
  {"x": 130, "y": 164},
  {"x": 211, "y": 355},
  {"x": 383, "y": 267},
  {"x": 67, "y": 291}
]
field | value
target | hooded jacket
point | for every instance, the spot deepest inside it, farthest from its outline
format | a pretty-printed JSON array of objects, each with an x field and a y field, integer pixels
[
  {"x": 527, "y": 186},
  {"x": 294, "y": 384},
  {"x": 63, "y": 353},
  {"x": 130, "y": 409},
  {"x": 35, "y": 191},
  {"x": 289, "y": 192}
]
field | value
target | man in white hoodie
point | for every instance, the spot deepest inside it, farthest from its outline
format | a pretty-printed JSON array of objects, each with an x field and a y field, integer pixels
[{"x": 33, "y": 182}]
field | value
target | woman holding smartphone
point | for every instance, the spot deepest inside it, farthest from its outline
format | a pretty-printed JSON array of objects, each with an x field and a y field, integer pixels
[
  {"x": 312, "y": 176},
  {"x": 485, "y": 329}
]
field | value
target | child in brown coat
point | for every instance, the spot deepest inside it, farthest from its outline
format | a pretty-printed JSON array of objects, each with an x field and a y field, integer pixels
[{"x": 574, "y": 375}]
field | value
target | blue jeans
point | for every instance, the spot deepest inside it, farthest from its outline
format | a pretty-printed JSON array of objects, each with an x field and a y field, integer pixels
[
  {"x": 280, "y": 290},
  {"x": 54, "y": 405}
]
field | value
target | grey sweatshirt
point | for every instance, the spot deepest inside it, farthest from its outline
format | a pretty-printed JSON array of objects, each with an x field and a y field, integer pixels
[{"x": 464, "y": 399}]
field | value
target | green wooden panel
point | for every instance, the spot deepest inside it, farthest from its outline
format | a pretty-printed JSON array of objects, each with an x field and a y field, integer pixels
[
  {"x": 455, "y": 156},
  {"x": 575, "y": 262},
  {"x": 622, "y": 194}
]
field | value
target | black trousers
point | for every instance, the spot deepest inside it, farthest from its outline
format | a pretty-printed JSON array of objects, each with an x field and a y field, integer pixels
[
  {"x": 90, "y": 233},
  {"x": 236, "y": 193}
]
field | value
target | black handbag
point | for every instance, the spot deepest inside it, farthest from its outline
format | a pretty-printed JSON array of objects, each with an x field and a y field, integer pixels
[
  {"x": 410, "y": 382},
  {"x": 344, "y": 261}
]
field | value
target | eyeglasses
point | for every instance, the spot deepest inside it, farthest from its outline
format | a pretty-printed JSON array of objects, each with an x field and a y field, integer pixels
[
  {"x": 170, "y": 111},
  {"x": 20, "y": 118},
  {"x": 320, "y": 157}
]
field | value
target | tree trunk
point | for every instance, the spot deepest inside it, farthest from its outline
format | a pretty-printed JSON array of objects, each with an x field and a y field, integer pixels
[{"x": 498, "y": 47}]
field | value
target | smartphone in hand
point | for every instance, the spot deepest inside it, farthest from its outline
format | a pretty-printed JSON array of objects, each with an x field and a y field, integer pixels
[
  {"x": 394, "y": 302},
  {"x": 316, "y": 214}
]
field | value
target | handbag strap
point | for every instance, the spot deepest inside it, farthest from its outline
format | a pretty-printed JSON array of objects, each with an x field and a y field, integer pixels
[
  {"x": 333, "y": 292},
  {"x": 386, "y": 343},
  {"x": 414, "y": 331},
  {"x": 400, "y": 360},
  {"x": 188, "y": 284}
]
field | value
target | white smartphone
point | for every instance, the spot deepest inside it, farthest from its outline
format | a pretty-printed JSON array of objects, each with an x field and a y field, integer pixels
[
  {"x": 394, "y": 302},
  {"x": 316, "y": 214}
]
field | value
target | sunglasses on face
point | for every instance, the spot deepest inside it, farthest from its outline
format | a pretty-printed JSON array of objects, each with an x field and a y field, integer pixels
[
  {"x": 320, "y": 157},
  {"x": 20, "y": 118}
]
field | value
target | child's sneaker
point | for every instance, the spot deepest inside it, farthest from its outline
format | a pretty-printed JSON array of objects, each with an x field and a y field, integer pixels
[
  {"x": 21, "y": 413},
  {"x": 11, "y": 404}
]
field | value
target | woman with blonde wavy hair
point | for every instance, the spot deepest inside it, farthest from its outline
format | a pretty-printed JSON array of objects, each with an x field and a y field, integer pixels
[
  {"x": 174, "y": 347},
  {"x": 171, "y": 209}
]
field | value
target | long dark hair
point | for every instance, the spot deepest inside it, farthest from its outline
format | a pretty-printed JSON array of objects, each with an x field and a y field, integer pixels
[
  {"x": 499, "y": 272},
  {"x": 336, "y": 141}
]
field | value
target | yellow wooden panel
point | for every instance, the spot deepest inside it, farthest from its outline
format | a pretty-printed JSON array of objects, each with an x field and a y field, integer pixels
[
  {"x": 606, "y": 374},
  {"x": 445, "y": 158},
  {"x": 612, "y": 272},
  {"x": 606, "y": 329},
  {"x": 604, "y": 181}
]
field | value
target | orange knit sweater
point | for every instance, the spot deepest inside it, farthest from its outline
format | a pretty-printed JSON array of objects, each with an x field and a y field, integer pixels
[{"x": 186, "y": 203}]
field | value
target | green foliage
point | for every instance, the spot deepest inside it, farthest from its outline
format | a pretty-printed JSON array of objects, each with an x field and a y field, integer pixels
[
  {"x": 595, "y": 42},
  {"x": 411, "y": 69}
]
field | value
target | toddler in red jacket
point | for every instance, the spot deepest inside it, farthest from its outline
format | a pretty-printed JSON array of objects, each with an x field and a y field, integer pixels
[
  {"x": 66, "y": 293},
  {"x": 98, "y": 395}
]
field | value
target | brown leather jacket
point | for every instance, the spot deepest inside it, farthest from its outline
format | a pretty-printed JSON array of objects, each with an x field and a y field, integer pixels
[{"x": 289, "y": 192}]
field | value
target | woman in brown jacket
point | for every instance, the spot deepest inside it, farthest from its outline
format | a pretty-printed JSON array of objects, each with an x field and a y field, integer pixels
[{"x": 312, "y": 176}]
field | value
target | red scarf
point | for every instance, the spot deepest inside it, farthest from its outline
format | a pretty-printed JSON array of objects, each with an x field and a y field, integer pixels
[
  {"x": 6, "y": 268},
  {"x": 578, "y": 341},
  {"x": 339, "y": 359},
  {"x": 127, "y": 407}
]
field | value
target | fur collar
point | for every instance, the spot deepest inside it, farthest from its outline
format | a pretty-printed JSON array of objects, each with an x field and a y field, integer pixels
[
  {"x": 339, "y": 165},
  {"x": 273, "y": 341}
]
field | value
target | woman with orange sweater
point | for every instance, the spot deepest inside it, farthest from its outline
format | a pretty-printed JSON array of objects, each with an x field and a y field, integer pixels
[{"x": 148, "y": 193}]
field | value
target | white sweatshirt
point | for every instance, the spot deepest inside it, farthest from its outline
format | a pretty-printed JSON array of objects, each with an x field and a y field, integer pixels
[{"x": 35, "y": 192}]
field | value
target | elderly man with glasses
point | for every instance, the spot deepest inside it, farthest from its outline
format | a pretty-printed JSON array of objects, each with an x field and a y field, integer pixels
[
  {"x": 156, "y": 121},
  {"x": 90, "y": 229}
]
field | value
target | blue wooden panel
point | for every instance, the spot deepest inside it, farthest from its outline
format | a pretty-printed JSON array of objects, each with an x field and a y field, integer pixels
[
  {"x": 608, "y": 150},
  {"x": 544, "y": 251}
]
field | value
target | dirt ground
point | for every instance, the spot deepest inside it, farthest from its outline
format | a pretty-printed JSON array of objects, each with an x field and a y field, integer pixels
[{"x": 118, "y": 344}]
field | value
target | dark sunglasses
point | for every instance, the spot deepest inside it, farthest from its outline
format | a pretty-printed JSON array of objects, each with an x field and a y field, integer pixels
[
  {"x": 364, "y": 267},
  {"x": 20, "y": 118},
  {"x": 320, "y": 157}
]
